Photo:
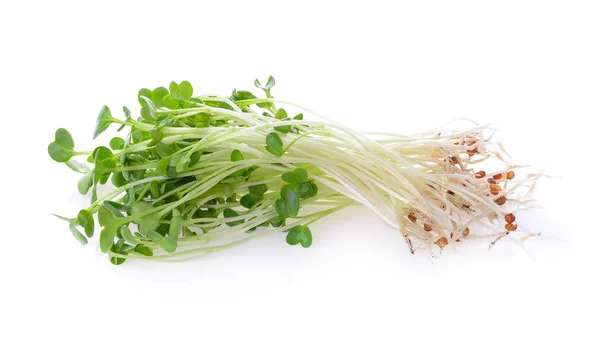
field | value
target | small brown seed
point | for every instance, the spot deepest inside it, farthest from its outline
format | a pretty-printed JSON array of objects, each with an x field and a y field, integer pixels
[
  {"x": 510, "y": 227},
  {"x": 471, "y": 152},
  {"x": 510, "y": 218},
  {"x": 412, "y": 217},
  {"x": 490, "y": 180},
  {"x": 442, "y": 242},
  {"x": 450, "y": 192},
  {"x": 501, "y": 200},
  {"x": 498, "y": 177},
  {"x": 480, "y": 174},
  {"x": 427, "y": 227},
  {"x": 495, "y": 189},
  {"x": 510, "y": 175},
  {"x": 466, "y": 232}
]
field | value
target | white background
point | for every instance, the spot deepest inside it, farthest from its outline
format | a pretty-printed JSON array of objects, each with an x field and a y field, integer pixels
[{"x": 531, "y": 68}]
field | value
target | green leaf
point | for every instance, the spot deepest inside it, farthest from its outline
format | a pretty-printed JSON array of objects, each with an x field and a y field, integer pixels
[
  {"x": 299, "y": 234},
  {"x": 127, "y": 112},
  {"x": 156, "y": 136},
  {"x": 286, "y": 188},
  {"x": 117, "y": 143},
  {"x": 63, "y": 138},
  {"x": 103, "y": 121},
  {"x": 103, "y": 157},
  {"x": 144, "y": 250},
  {"x": 292, "y": 202},
  {"x": 315, "y": 189},
  {"x": 164, "y": 150},
  {"x": 195, "y": 158},
  {"x": 147, "y": 223},
  {"x": 186, "y": 90},
  {"x": 281, "y": 113},
  {"x": 110, "y": 226},
  {"x": 281, "y": 208},
  {"x": 154, "y": 189},
  {"x": 258, "y": 190},
  {"x": 298, "y": 116},
  {"x": 147, "y": 113},
  {"x": 137, "y": 136},
  {"x": 156, "y": 237},
  {"x": 58, "y": 153},
  {"x": 274, "y": 144},
  {"x": 118, "y": 179},
  {"x": 84, "y": 184},
  {"x": 182, "y": 91},
  {"x": 283, "y": 129},
  {"x": 169, "y": 244},
  {"x": 241, "y": 95},
  {"x": 269, "y": 85},
  {"x": 266, "y": 88},
  {"x": 158, "y": 95},
  {"x": 162, "y": 165},
  {"x": 182, "y": 164},
  {"x": 307, "y": 189},
  {"x": 188, "y": 233},
  {"x": 229, "y": 213},
  {"x": 278, "y": 221},
  {"x": 202, "y": 119},
  {"x": 169, "y": 102},
  {"x": 61, "y": 150},
  {"x": 119, "y": 248},
  {"x": 228, "y": 190},
  {"x": 105, "y": 216},
  {"x": 86, "y": 220},
  {"x": 236, "y": 155},
  {"x": 249, "y": 200},
  {"x": 117, "y": 260},
  {"x": 146, "y": 93},
  {"x": 78, "y": 236},
  {"x": 126, "y": 234},
  {"x": 296, "y": 176}
]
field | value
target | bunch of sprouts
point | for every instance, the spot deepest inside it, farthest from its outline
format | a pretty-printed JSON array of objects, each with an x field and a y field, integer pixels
[{"x": 197, "y": 174}]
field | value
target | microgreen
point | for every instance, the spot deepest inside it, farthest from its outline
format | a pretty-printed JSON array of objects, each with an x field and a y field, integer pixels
[
  {"x": 258, "y": 190},
  {"x": 196, "y": 174},
  {"x": 288, "y": 205},
  {"x": 86, "y": 220},
  {"x": 274, "y": 144},
  {"x": 182, "y": 91},
  {"x": 267, "y": 87},
  {"x": 236, "y": 155},
  {"x": 299, "y": 234},
  {"x": 103, "y": 121},
  {"x": 61, "y": 150},
  {"x": 295, "y": 176},
  {"x": 84, "y": 184},
  {"x": 230, "y": 213}
]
